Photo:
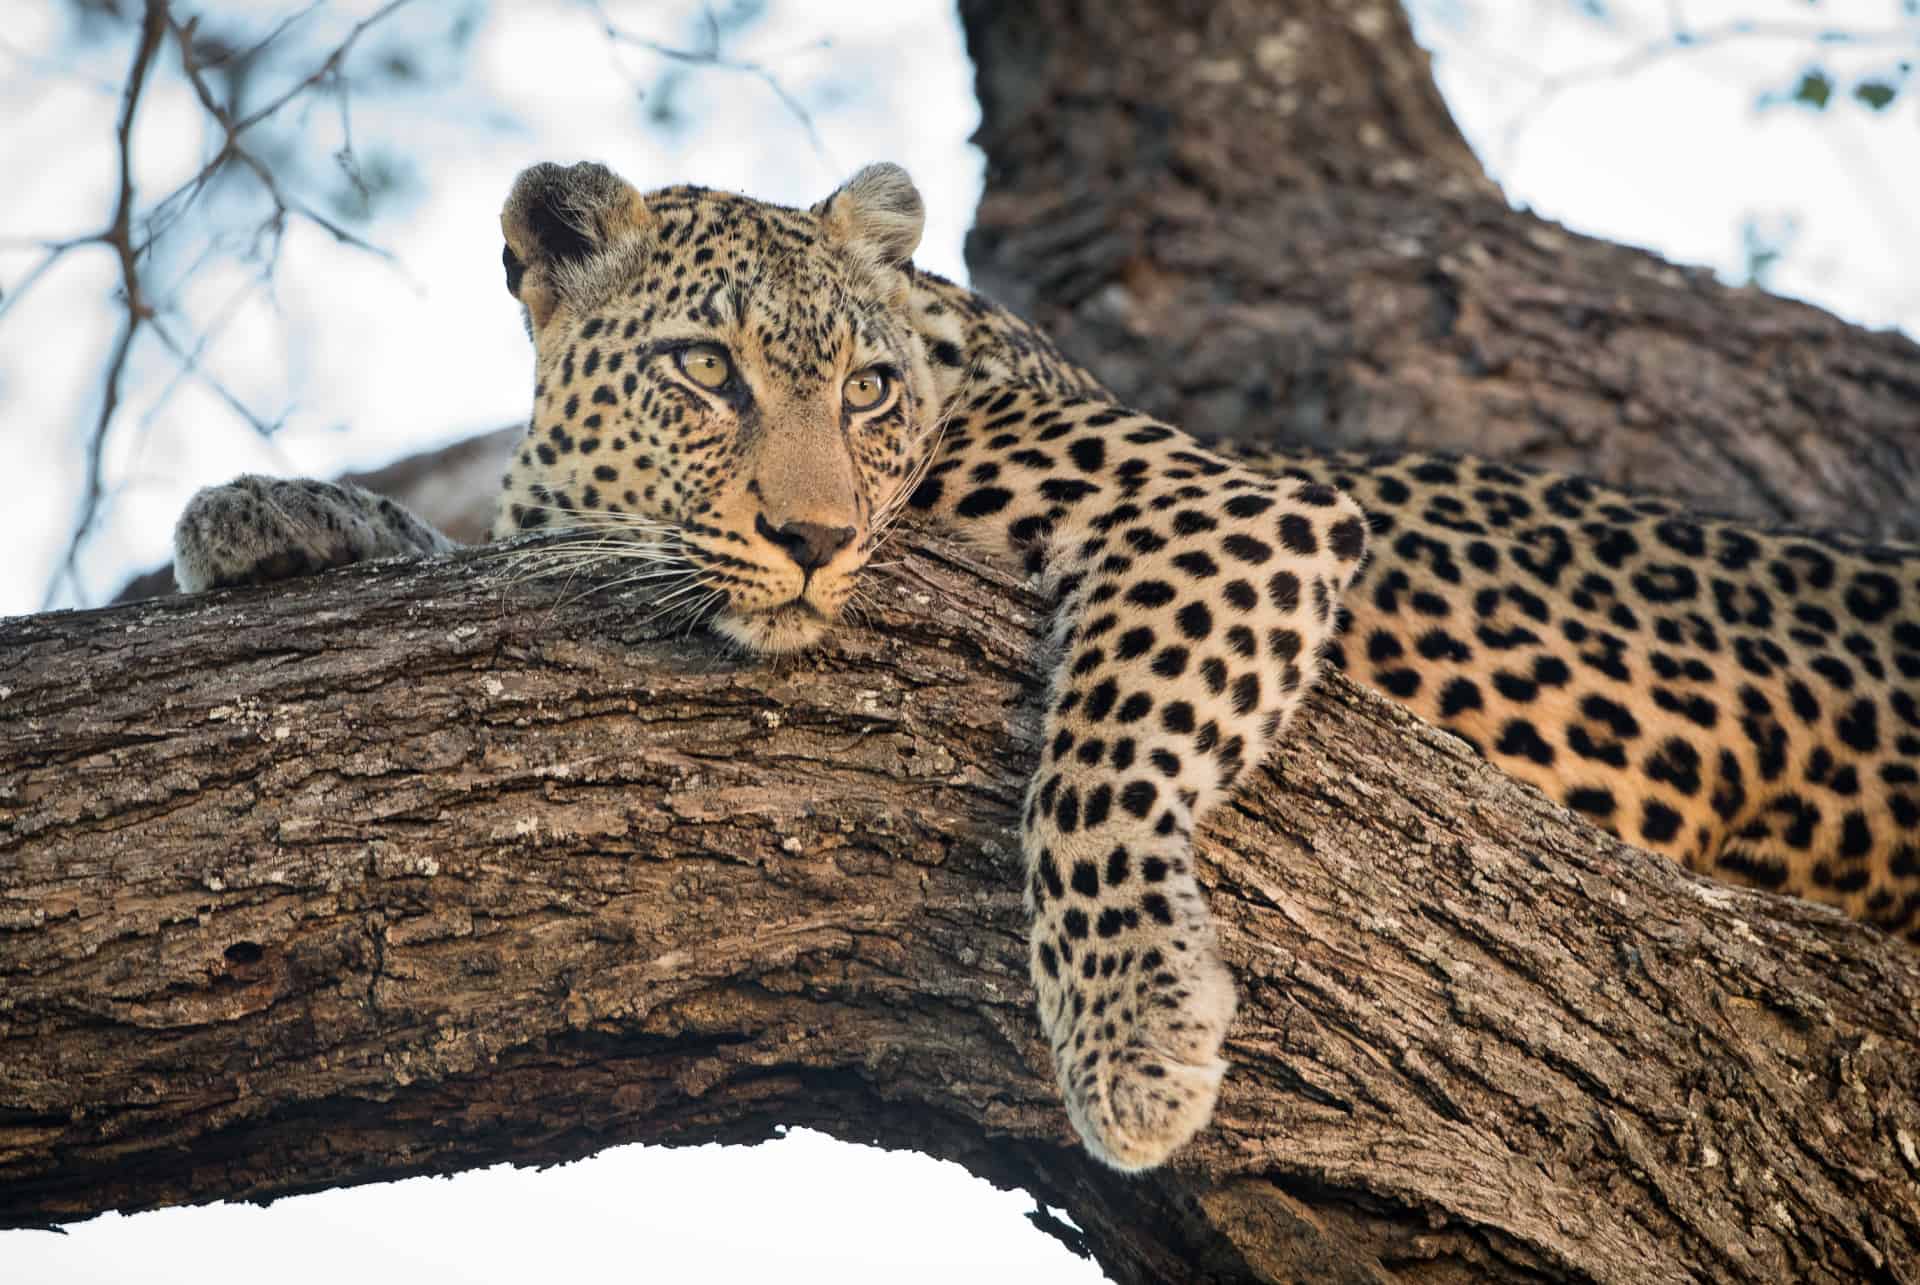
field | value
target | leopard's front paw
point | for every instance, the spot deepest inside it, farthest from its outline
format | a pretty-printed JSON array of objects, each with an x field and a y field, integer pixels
[
  {"x": 1146, "y": 1078},
  {"x": 1134, "y": 998},
  {"x": 255, "y": 530}
]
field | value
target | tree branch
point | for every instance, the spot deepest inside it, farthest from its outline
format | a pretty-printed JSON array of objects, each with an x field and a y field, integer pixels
[
  {"x": 133, "y": 234},
  {"x": 397, "y": 871},
  {"x": 119, "y": 235}
]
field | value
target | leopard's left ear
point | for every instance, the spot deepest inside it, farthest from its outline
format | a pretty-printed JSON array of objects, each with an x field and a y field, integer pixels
[{"x": 877, "y": 212}]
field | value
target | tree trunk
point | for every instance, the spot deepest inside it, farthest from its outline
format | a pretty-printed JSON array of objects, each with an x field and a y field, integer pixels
[
  {"x": 401, "y": 871},
  {"x": 1256, "y": 218}
]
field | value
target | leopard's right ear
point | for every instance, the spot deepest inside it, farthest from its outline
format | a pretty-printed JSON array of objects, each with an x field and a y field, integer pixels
[{"x": 557, "y": 219}]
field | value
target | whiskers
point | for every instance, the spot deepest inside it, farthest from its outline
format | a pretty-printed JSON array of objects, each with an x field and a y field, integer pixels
[
  {"x": 614, "y": 551},
  {"x": 597, "y": 553},
  {"x": 859, "y": 606}
]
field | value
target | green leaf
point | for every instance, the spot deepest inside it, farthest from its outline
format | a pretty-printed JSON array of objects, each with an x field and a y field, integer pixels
[
  {"x": 1876, "y": 94},
  {"x": 1814, "y": 89}
]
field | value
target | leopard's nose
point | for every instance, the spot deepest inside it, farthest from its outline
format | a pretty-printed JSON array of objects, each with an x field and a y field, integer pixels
[{"x": 810, "y": 544}]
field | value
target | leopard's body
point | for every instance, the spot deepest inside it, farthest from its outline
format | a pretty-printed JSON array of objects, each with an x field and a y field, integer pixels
[
  {"x": 1746, "y": 702},
  {"x": 753, "y": 393}
]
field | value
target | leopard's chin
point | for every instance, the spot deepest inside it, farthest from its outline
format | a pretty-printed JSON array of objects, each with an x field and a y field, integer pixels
[{"x": 776, "y": 631}]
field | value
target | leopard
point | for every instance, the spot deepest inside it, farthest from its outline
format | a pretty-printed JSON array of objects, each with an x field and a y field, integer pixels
[{"x": 749, "y": 396}]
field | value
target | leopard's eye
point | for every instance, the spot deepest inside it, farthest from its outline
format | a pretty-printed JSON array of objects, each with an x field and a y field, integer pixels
[
  {"x": 865, "y": 389},
  {"x": 706, "y": 365}
]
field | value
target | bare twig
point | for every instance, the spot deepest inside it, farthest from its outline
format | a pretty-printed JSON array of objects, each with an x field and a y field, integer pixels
[
  {"x": 55, "y": 251},
  {"x": 141, "y": 226},
  {"x": 328, "y": 68},
  {"x": 1681, "y": 39},
  {"x": 189, "y": 360},
  {"x": 119, "y": 234},
  {"x": 133, "y": 233},
  {"x": 231, "y": 151},
  {"x": 188, "y": 369},
  {"x": 709, "y": 54}
]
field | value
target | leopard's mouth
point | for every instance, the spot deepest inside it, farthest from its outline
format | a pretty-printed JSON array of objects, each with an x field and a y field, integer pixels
[{"x": 791, "y": 626}]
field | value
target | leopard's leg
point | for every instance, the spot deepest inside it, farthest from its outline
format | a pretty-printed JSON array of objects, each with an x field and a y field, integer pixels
[
  {"x": 1194, "y": 600},
  {"x": 1180, "y": 668},
  {"x": 254, "y": 530}
]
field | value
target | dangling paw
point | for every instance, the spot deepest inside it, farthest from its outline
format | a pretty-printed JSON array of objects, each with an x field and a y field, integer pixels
[
  {"x": 1134, "y": 998},
  {"x": 1152, "y": 1073}
]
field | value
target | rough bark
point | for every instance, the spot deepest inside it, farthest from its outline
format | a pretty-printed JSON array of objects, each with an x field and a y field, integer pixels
[
  {"x": 1259, "y": 218},
  {"x": 400, "y": 871}
]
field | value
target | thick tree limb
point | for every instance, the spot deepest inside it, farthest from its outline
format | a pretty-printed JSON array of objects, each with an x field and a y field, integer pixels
[{"x": 397, "y": 871}]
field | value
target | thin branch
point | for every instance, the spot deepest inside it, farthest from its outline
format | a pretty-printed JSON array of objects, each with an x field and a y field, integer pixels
[
  {"x": 140, "y": 308},
  {"x": 265, "y": 42},
  {"x": 329, "y": 67},
  {"x": 55, "y": 251},
  {"x": 153, "y": 28},
  {"x": 284, "y": 205},
  {"x": 1680, "y": 39},
  {"x": 190, "y": 364},
  {"x": 169, "y": 208},
  {"x": 709, "y": 55},
  {"x": 232, "y": 152}
]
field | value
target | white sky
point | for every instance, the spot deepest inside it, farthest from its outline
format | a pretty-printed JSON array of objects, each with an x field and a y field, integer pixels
[
  {"x": 805, "y": 1210},
  {"x": 1619, "y": 133},
  {"x": 366, "y": 362}
]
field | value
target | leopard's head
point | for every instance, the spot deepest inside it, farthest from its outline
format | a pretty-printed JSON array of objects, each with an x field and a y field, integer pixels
[{"x": 733, "y": 389}]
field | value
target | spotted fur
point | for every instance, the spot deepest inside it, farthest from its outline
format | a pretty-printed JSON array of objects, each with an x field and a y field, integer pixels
[
  {"x": 1743, "y": 701},
  {"x": 1746, "y": 702}
]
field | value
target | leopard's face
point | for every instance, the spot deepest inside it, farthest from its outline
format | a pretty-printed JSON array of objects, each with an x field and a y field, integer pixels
[{"x": 732, "y": 389}]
